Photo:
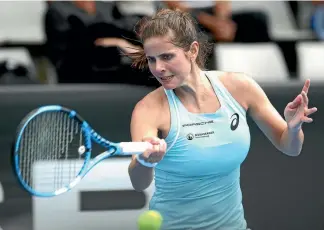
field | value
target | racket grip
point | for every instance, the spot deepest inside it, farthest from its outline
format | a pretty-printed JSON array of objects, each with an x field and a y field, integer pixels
[{"x": 129, "y": 148}]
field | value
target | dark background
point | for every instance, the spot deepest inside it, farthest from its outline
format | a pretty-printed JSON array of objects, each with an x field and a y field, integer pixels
[{"x": 280, "y": 192}]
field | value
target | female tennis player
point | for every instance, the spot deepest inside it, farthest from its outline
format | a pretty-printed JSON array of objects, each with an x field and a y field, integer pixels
[{"x": 197, "y": 124}]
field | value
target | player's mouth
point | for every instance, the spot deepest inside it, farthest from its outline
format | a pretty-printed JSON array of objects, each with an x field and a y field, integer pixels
[{"x": 166, "y": 78}]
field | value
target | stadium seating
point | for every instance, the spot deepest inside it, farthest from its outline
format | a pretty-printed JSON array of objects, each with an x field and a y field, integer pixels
[
  {"x": 264, "y": 62},
  {"x": 14, "y": 58},
  {"x": 310, "y": 60},
  {"x": 281, "y": 20},
  {"x": 23, "y": 22}
]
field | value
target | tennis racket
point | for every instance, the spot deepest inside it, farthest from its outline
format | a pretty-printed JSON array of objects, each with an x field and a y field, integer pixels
[{"x": 53, "y": 145}]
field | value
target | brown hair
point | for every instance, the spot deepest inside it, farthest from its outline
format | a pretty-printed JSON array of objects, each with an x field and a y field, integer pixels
[{"x": 180, "y": 25}]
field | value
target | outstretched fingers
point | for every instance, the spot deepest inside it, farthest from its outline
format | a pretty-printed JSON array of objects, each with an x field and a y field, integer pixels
[{"x": 306, "y": 86}]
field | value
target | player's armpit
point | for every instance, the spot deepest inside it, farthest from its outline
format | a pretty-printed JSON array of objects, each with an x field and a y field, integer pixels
[{"x": 264, "y": 113}]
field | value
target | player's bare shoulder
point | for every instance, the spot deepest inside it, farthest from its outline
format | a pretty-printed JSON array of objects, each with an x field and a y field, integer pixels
[
  {"x": 151, "y": 106},
  {"x": 152, "y": 102},
  {"x": 234, "y": 80},
  {"x": 237, "y": 84}
]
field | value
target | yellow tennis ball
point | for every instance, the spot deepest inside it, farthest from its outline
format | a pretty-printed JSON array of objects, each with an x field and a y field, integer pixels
[{"x": 150, "y": 220}]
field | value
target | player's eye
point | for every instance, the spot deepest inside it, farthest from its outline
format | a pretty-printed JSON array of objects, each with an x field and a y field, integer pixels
[
  {"x": 167, "y": 57},
  {"x": 151, "y": 60}
]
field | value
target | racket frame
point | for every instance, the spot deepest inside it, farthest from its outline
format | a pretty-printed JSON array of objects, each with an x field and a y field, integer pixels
[{"x": 122, "y": 148}]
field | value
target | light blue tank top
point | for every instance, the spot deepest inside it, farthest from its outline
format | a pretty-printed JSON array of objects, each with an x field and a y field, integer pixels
[{"x": 197, "y": 184}]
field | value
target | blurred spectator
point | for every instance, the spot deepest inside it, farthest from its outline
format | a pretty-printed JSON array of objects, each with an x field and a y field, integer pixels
[
  {"x": 317, "y": 19},
  {"x": 216, "y": 17},
  {"x": 15, "y": 72},
  {"x": 85, "y": 40}
]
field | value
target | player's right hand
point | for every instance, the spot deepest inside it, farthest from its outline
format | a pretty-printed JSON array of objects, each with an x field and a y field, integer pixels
[{"x": 157, "y": 152}]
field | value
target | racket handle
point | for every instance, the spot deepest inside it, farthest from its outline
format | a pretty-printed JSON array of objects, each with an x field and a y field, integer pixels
[{"x": 129, "y": 148}]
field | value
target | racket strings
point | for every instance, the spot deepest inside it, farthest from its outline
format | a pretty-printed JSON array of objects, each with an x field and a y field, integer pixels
[{"x": 48, "y": 151}]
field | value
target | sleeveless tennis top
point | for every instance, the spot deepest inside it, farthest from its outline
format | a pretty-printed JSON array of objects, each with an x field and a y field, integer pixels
[{"x": 197, "y": 184}]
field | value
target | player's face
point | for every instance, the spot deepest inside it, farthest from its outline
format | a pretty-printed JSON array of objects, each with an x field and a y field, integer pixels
[{"x": 167, "y": 62}]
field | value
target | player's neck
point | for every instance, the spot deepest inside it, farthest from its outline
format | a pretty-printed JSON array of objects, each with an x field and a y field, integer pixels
[{"x": 197, "y": 88}]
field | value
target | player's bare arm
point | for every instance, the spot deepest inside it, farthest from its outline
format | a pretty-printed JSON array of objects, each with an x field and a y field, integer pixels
[
  {"x": 144, "y": 127},
  {"x": 285, "y": 133}
]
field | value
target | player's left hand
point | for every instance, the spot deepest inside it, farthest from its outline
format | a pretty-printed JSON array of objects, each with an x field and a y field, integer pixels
[{"x": 297, "y": 112}]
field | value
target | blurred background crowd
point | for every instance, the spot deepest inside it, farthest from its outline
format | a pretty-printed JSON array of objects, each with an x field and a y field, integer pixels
[{"x": 54, "y": 42}]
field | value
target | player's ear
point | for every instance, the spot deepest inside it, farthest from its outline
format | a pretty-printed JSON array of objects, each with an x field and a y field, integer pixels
[{"x": 193, "y": 51}]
